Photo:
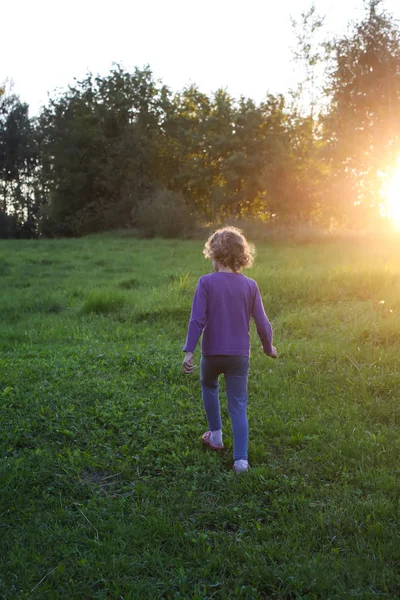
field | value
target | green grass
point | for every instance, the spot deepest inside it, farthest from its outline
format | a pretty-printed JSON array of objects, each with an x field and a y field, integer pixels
[{"x": 106, "y": 491}]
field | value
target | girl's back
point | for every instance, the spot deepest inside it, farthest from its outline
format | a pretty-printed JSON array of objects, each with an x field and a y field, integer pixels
[
  {"x": 222, "y": 307},
  {"x": 225, "y": 303}
]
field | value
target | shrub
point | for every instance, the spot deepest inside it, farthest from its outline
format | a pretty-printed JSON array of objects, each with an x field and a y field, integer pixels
[
  {"x": 8, "y": 226},
  {"x": 50, "y": 226},
  {"x": 164, "y": 214},
  {"x": 94, "y": 217}
]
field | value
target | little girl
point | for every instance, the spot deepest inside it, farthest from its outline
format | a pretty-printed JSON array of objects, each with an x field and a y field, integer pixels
[{"x": 223, "y": 303}]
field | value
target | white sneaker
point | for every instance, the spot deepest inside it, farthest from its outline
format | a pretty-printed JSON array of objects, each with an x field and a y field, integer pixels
[{"x": 240, "y": 466}]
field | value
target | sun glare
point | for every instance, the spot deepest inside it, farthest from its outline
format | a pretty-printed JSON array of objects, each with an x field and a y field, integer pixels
[{"x": 393, "y": 198}]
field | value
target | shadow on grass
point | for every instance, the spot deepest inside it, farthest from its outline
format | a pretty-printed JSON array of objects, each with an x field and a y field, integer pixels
[
  {"x": 14, "y": 314},
  {"x": 129, "y": 284},
  {"x": 43, "y": 262},
  {"x": 5, "y": 268}
]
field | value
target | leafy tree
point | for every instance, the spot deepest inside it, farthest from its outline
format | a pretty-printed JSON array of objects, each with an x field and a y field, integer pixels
[
  {"x": 18, "y": 161},
  {"x": 243, "y": 167},
  {"x": 309, "y": 56},
  {"x": 362, "y": 128},
  {"x": 97, "y": 150},
  {"x": 183, "y": 152},
  {"x": 217, "y": 151}
]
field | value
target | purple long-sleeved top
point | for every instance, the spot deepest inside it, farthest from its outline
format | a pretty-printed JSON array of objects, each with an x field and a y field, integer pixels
[{"x": 222, "y": 307}]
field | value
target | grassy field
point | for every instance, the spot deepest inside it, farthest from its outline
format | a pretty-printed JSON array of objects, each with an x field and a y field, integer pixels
[{"x": 106, "y": 491}]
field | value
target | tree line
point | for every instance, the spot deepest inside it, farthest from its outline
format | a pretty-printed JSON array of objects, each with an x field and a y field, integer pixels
[{"x": 112, "y": 151}]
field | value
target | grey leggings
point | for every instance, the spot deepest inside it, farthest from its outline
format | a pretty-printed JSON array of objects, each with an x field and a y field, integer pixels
[{"x": 235, "y": 370}]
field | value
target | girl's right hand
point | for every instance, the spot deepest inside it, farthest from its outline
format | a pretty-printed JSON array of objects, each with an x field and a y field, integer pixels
[
  {"x": 187, "y": 366},
  {"x": 273, "y": 353}
]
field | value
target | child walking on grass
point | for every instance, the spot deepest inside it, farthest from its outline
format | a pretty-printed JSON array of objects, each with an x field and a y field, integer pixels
[{"x": 223, "y": 304}]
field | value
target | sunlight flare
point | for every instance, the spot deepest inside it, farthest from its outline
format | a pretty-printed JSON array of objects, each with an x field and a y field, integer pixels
[{"x": 393, "y": 198}]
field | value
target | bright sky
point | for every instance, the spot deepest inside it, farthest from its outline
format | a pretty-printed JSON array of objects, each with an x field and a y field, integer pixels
[{"x": 244, "y": 45}]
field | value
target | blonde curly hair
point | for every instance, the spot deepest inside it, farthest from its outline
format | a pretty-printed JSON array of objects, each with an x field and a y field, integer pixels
[{"x": 230, "y": 248}]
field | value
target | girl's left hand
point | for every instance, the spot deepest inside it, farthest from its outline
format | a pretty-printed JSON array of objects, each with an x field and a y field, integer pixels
[
  {"x": 187, "y": 366},
  {"x": 273, "y": 353}
]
